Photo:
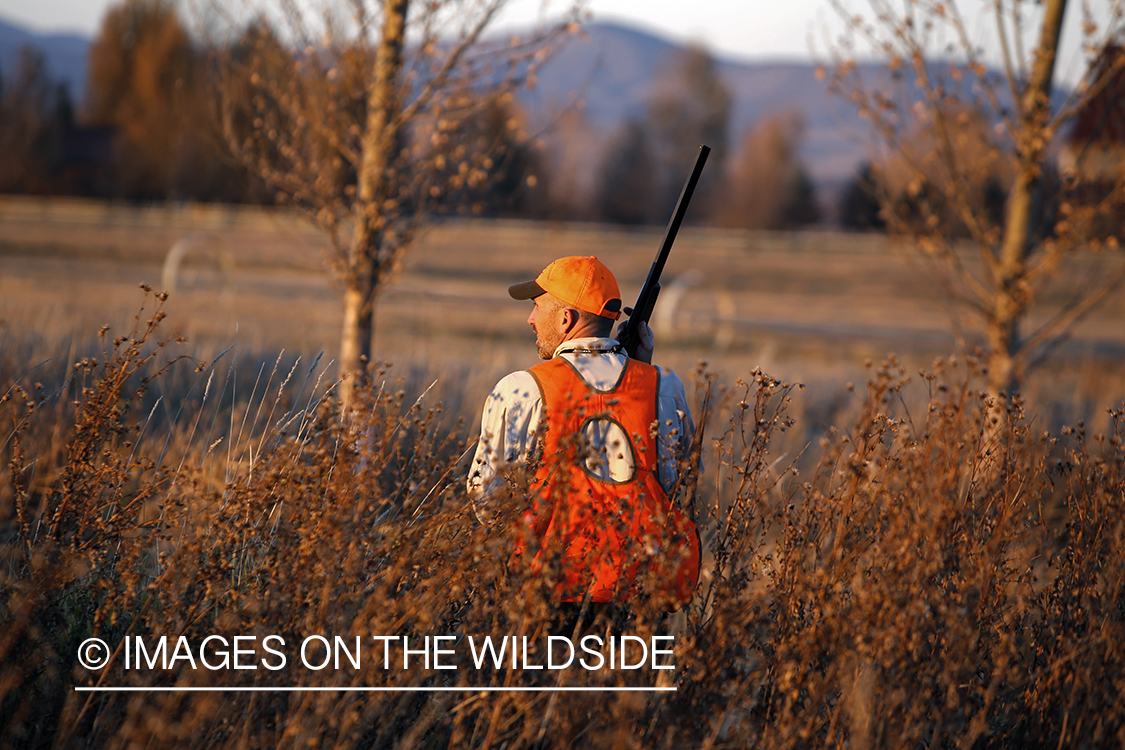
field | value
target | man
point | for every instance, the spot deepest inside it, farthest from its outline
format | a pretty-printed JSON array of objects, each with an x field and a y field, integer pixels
[{"x": 605, "y": 436}]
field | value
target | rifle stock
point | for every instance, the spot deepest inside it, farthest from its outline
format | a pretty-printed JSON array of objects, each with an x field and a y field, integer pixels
[{"x": 630, "y": 337}]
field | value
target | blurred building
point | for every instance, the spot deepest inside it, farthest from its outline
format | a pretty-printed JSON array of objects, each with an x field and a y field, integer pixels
[
  {"x": 1092, "y": 159},
  {"x": 1094, "y": 150}
]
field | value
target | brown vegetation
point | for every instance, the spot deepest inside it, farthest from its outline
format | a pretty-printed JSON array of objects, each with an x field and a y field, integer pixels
[
  {"x": 144, "y": 75},
  {"x": 894, "y": 595}
]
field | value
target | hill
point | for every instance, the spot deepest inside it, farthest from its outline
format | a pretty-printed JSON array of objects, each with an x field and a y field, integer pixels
[
  {"x": 613, "y": 67},
  {"x": 66, "y": 54}
]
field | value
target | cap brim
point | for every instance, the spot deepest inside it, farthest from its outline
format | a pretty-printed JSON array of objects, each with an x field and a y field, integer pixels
[{"x": 525, "y": 290}]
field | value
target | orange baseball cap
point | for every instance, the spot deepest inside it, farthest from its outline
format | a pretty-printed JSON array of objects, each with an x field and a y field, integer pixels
[{"x": 583, "y": 282}]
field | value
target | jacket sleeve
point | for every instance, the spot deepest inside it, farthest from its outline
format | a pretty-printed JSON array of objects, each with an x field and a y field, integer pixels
[
  {"x": 676, "y": 428},
  {"x": 507, "y": 435}
]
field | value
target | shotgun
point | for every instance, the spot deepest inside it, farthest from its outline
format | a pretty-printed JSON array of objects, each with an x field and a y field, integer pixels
[{"x": 630, "y": 337}]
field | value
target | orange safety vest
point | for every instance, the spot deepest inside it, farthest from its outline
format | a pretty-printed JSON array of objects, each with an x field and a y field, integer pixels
[{"x": 603, "y": 532}]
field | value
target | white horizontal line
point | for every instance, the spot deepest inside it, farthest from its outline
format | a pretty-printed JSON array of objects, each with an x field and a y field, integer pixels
[{"x": 299, "y": 689}]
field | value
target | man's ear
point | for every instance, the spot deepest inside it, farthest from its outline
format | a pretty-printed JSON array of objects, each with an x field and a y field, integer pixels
[{"x": 569, "y": 319}]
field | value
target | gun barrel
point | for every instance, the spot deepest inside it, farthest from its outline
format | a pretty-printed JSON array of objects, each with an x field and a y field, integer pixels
[
  {"x": 677, "y": 217},
  {"x": 647, "y": 298}
]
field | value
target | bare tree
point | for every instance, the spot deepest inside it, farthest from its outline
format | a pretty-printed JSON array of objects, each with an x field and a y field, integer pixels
[
  {"x": 627, "y": 186},
  {"x": 969, "y": 152},
  {"x": 356, "y": 119},
  {"x": 34, "y": 113},
  {"x": 688, "y": 105},
  {"x": 571, "y": 147},
  {"x": 767, "y": 186}
]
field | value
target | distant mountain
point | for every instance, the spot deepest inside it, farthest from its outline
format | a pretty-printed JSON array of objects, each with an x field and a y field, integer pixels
[
  {"x": 834, "y": 135},
  {"x": 612, "y": 67},
  {"x": 66, "y": 55}
]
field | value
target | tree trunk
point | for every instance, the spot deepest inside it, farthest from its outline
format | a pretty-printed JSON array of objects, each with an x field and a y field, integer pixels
[
  {"x": 356, "y": 338},
  {"x": 1011, "y": 293},
  {"x": 365, "y": 267}
]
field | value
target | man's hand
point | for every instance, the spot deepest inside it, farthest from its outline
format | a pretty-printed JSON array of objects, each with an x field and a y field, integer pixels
[{"x": 647, "y": 340}]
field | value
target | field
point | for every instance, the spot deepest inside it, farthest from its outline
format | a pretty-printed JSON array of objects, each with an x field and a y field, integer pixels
[
  {"x": 807, "y": 307},
  {"x": 884, "y": 566}
]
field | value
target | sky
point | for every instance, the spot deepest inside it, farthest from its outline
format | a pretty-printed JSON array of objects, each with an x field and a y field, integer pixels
[{"x": 745, "y": 29}]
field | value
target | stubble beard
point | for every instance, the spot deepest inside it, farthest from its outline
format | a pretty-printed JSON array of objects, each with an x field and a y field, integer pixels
[
  {"x": 545, "y": 344},
  {"x": 544, "y": 352}
]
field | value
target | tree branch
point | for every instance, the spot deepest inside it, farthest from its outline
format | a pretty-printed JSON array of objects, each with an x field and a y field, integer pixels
[
  {"x": 1051, "y": 333},
  {"x": 409, "y": 111}
]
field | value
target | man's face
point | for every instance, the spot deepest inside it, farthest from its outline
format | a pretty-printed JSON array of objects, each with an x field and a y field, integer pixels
[{"x": 546, "y": 319}]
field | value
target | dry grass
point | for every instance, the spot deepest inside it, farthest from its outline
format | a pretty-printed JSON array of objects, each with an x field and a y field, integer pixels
[{"x": 910, "y": 586}]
